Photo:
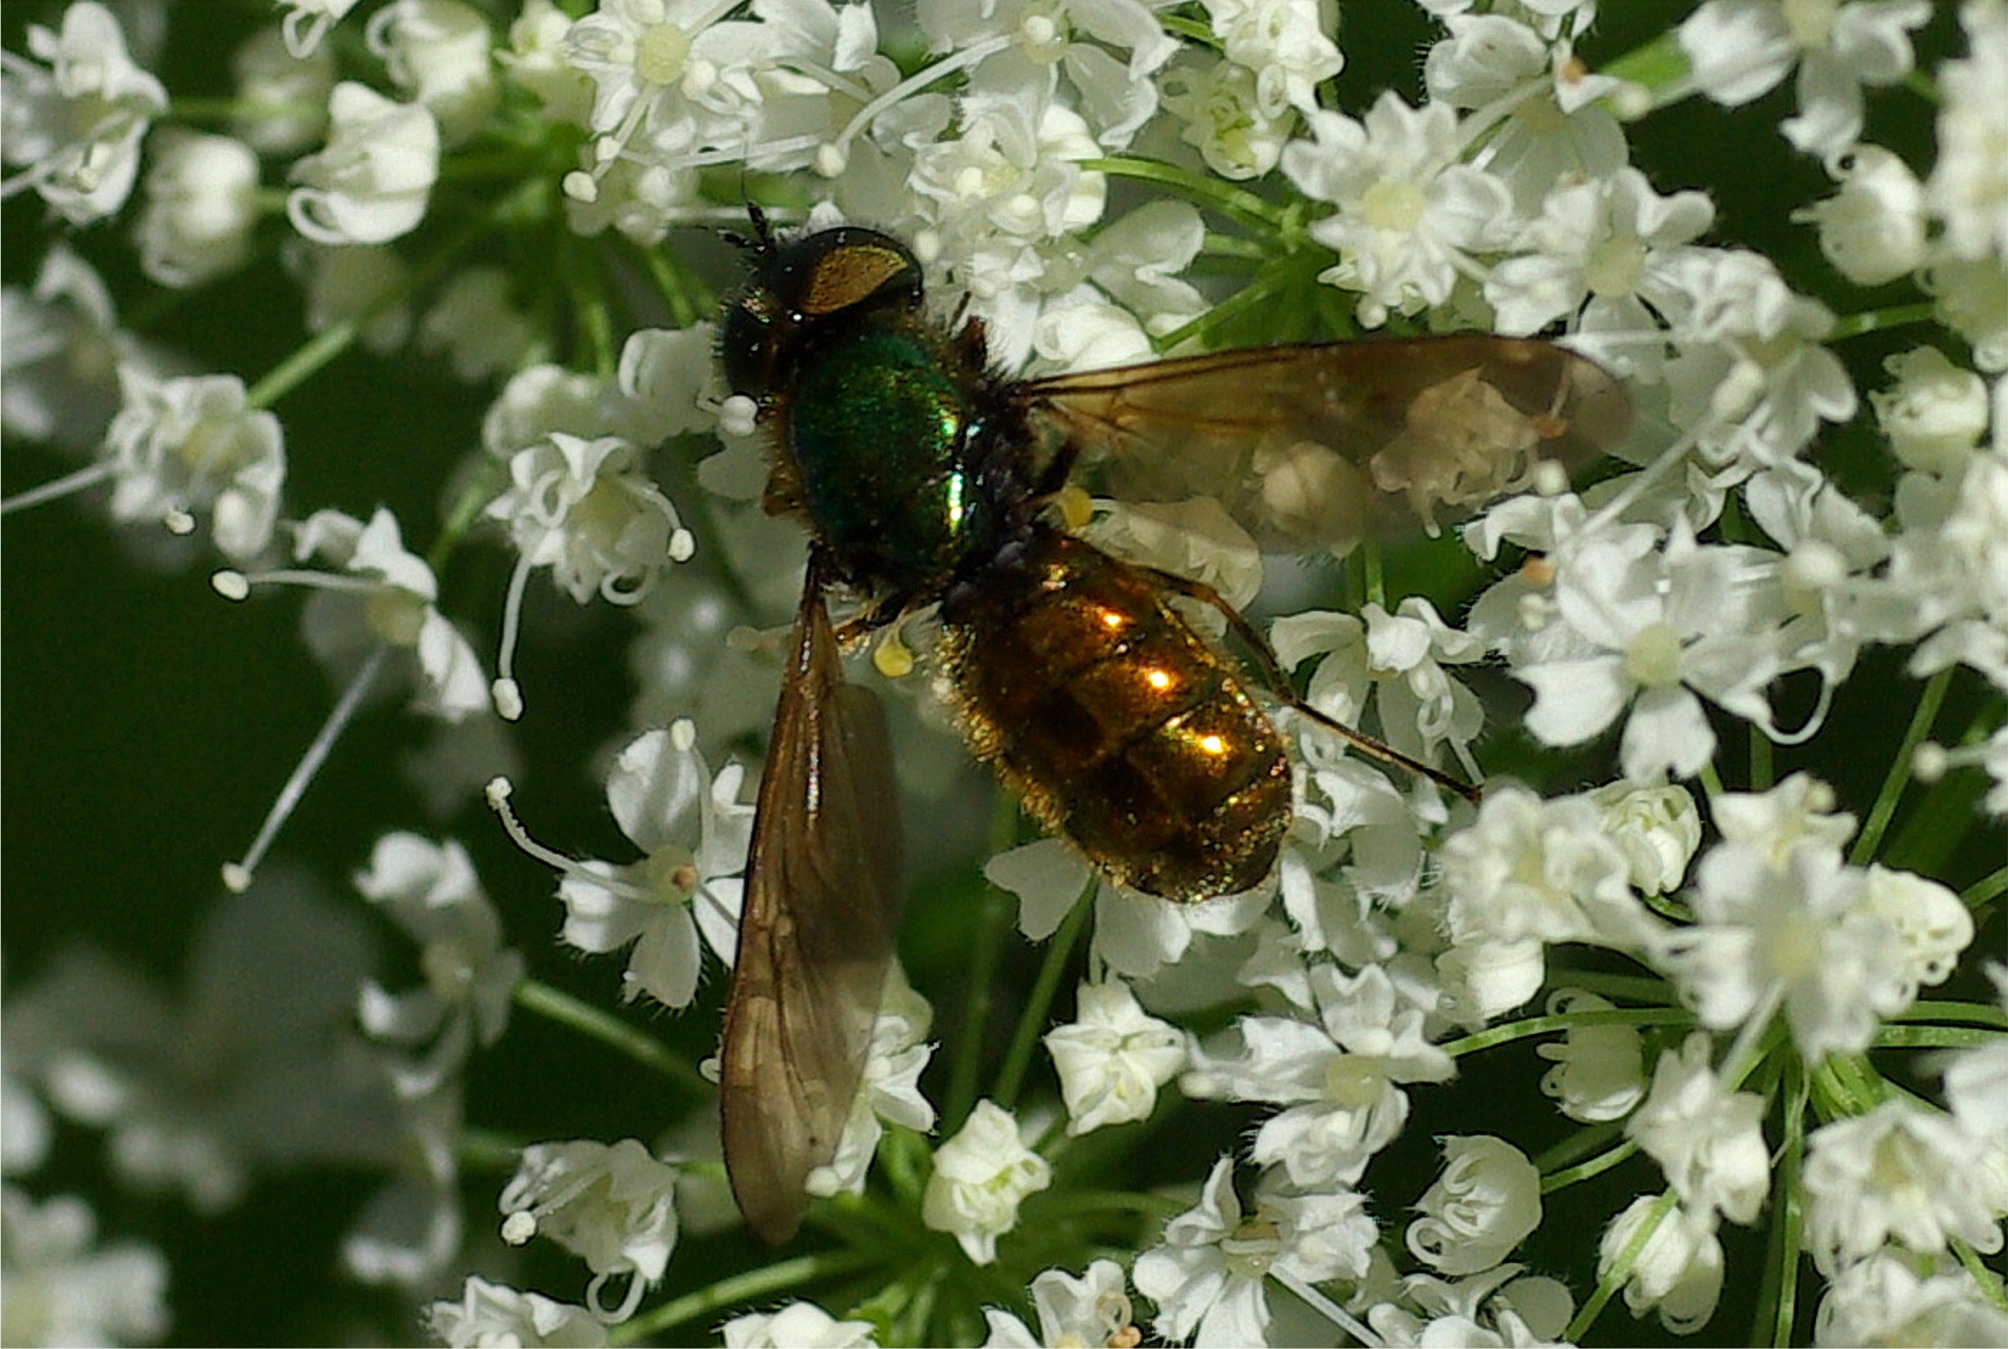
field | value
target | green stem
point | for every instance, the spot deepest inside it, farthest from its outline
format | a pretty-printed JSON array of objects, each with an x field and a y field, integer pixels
[
  {"x": 1507, "y": 1032},
  {"x": 1898, "y": 777},
  {"x": 1585, "y": 1170},
  {"x": 1985, "y": 890},
  {"x": 1762, "y": 772},
  {"x": 609, "y": 1029},
  {"x": 1780, "y": 1294},
  {"x": 1711, "y": 781},
  {"x": 1241, "y": 205},
  {"x": 986, "y": 950},
  {"x": 1620, "y": 1270},
  {"x": 1032, "y": 1019},
  {"x": 1934, "y": 1037},
  {"x": 325, "y": 346},
  {"x": 1881, "y": 320},
  {"x": 752, "y": 1286},
  {"x": 1657, "y": 66}
]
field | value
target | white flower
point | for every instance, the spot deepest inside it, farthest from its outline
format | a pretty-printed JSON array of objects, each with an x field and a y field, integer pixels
[
  {"x": 1600, "y": 257},
  {"x": 1486, "y": 1202},
  {"x": 1976, "y": 1078},
  {"x": 254, "y": 1067},
  {"x": 1337, "y": 1077},
  {"x": 535, "y": 59},
  {"x": 1708, "y": 1139},
  {"x": 664, "y": 377},
  {"x": 282, "y": 98},
  {"x": 366, "y": 284},
  {"x": 62, "y": 353},
  {"x": 612, "y": 1206},
  {"x": 1971, "y": 298},
  {"x": 799, "y": 1325},
  {"x": 1220, "y": 104},
  {"x": 1739, "y": 49},
  {"x": 1286, "y": 43},
  {"x": 1872, "y": 230},
  {"x": 1497, "y": 1308},
  {"x": 178, "y": 446},
  {"x": 438, "y": 52},
  {"x": 999, "y": 201},
  {"x": 1662, "y": 630},
  {"x": 308, "y": 21},
  {"x": 1902, "y": 1172},
  {"x": 1798, "y": 812},
  {"x": 1547, "y": 870},
  {"x": 1409, "y": 213},
  {"x": 201, "y": 202},
  {"x": 1948, "y": 571},
  {"x": 693, "y": 831},
  {"x": 538, "y": 400},
  {"x": 25, "y": 1128},
  {"x": 1749, "y": 375},
  {"x": 495, "y": 1314},
  {"x": 1395, "y": 661},
  {"x": 1900, "y": 1297},
  {"x": 1935, "y": 414},
  {"x": 1136, "y": 934},
  {"x": 475, "y": 324},
  {"x": 409, "y": 1231},
  {"x": 1139, "y": 259},
  {"x": 1678, "y": 1272},
  {"x": 431, "y": 892},
  {"x": 1831, "y": 547},
  {"x": 1929, "y": 922},
  {"x": 1112, "y": 1058},
  {"x": 63, "y": 1288},
  {"x": 1092, "y": 1309},
  {"x": 888, "y": 1088},
  {"x": 1656, "y": 828},
  {"x": 1795, "y": 934},
  {"x": 1208, "y": 1275},
  {"x": 587, "y": 510},
  {"x": 73, "y": 125},
  {"x": 385, "y": 595},
  {"x": 980, "y": 1177},
  {"x": 1968, "y": 188},
  {"x": 372, "y": 182},
  {"x": 1033, "y": 42},
  {"x": 670, "y": 79},
  {"x": 1599, "y": 1071},
  {"x": 1559, "y": 128}
]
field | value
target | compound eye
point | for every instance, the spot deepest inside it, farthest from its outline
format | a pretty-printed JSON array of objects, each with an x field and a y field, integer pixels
[{"x": 852, "y": 267}]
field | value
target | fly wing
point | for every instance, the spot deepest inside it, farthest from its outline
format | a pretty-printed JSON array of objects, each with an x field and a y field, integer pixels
[
  {"x": 1321, "y": 446},
  {"x": 816, "y": 934}
]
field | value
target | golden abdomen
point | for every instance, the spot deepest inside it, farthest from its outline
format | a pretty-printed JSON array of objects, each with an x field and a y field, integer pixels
[{"x": 1121, "y": 728}]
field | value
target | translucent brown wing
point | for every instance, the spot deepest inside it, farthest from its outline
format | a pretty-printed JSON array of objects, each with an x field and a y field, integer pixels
[
  {"x": 1321, "y": 446},
  {"x": 816, "y": 934}
]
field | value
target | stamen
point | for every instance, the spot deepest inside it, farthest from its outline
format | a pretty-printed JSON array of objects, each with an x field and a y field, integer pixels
[
  {"x": 237, "y": 875},
  {"x": 497, "y": 794},
  {"x": 66, "y": 485},
  {"x": 506, "y": 692}
]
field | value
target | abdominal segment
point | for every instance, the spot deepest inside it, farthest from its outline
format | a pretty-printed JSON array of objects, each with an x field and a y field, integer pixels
[{"x": 1121, "y": 728}]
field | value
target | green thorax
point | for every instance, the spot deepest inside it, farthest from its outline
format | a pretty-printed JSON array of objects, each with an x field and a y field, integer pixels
[{"x": 881, "y": 425}]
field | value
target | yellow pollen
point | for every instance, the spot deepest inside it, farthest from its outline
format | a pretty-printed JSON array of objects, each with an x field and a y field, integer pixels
[{"x": 660, "y": 56}]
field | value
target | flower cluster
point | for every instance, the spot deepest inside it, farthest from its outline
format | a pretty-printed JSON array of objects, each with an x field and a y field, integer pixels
[{"x": 1739, "y": 685}]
